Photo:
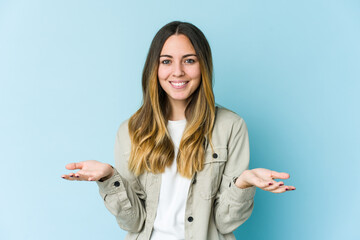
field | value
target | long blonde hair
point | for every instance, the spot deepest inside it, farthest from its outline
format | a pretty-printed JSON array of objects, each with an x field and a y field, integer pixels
[{"x": 151, "y": 146}]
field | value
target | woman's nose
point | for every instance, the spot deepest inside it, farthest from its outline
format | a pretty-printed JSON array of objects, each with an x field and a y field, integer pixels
[{"x": 178, "y": 70}]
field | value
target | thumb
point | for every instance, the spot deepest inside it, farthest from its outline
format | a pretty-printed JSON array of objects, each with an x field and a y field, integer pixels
[
  {"x": 72, "y": 166},
  {"x": 281, "y": 175}
]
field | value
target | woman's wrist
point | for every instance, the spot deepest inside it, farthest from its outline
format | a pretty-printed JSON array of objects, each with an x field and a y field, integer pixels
[
  {"x": 241, "y": 180},
  {"x": 109, "y": 175}
]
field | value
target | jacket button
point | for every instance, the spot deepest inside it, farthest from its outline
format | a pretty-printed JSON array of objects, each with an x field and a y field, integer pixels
[
  {"x": 215, "y": 155},
  {"x": 190, "y": 219},
  {"x": 117, "y": 183}
]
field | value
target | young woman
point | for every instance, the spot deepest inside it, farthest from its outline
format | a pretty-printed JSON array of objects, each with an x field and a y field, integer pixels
[{"x": 181, "y": 162}]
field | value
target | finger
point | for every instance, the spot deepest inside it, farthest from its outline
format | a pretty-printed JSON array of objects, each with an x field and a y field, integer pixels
[
  {"x": 72, "y": 176},
  {"x": 85, "y": 175},
  {"x": 291, "y": 188},
  {"x": 271, "y": 186},
  {"x": 80, "y": 173},
  {"x": 279, "y": 190},
  {"x": 279, "y": 175},
  {"x": 64, "y": 176},
  {"x": 262, "y": 183},
  {"x": 78, "y": 176},
  {"x": 68, "y": 177},
  {"x": 283, "y": 189},
  {"x": 73, "y": 166},
  {"x": 81, "y": 176}
]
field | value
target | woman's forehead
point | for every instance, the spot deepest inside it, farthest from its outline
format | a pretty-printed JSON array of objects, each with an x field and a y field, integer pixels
[{"x": 177, "y": 44}]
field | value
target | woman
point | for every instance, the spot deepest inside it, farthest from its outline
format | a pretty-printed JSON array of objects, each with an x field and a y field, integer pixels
[{"x": 181, "y": 162}]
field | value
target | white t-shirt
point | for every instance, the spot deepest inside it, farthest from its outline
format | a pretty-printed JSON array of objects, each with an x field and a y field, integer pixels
[{"x": 170, "y": 216}]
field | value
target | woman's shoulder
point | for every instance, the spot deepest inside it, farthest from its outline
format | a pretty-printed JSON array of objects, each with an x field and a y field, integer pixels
[
  {"x": 226, "y": 117},
  {"x": 228, "y": 124},
  {"x": 123, "y": 136},
  {"x": 124, "y": 127}
]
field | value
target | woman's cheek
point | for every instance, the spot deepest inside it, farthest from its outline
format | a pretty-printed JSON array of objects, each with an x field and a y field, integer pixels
[
  {"x": 163, "y": 73},
  {"x": 194, "y": 72}
]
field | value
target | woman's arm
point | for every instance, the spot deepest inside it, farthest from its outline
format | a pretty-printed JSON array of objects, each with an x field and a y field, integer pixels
[
  {"x": 233, "y": 205},
  {"x": 122, "y": 194},
  {"x": 234, "y": 201}
]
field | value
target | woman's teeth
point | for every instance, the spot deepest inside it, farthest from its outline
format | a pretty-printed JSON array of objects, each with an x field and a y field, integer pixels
[{"x": 178, "y": 84}]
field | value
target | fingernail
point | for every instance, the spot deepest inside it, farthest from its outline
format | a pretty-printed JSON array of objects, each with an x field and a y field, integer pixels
[
  {"x": 77, "y": 176},
  {"x": 270, "y": 184},
  {"x": 286, "y": 189},
  {"x": 281, "y": 184},
  {"x": 63, "y": 177}
]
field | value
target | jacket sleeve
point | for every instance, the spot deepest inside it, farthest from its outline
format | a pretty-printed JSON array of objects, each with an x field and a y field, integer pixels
[
  {"x": 123, "y": 194},
  {"x": 233, "y": 205}
]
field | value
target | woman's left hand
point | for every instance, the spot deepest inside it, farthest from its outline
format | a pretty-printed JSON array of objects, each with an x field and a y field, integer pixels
[{"x": 264, "y": 179}]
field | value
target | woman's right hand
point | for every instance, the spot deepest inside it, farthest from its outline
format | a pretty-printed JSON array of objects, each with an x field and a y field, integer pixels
[{"x": 90, "y": 170}]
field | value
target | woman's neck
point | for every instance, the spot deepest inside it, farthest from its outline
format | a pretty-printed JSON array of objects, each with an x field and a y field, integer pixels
[{"x": 177, "y": 111}]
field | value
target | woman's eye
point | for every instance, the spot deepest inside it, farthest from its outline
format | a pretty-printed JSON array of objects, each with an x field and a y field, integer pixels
[
  {"x": 189, "y": 60},
  {"x": 165, "y": 61}
]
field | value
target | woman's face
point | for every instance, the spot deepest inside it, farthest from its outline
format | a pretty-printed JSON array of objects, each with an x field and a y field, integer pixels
[{"x": 179, "y": 69}]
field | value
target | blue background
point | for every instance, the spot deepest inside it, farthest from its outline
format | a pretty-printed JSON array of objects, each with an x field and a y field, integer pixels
[{"x": 70, "y": 74}]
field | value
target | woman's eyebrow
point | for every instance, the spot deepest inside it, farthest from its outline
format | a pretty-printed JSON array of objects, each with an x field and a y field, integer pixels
[
  {"x": 185, "y": 56},
  {"x": 189, "y": 55}
]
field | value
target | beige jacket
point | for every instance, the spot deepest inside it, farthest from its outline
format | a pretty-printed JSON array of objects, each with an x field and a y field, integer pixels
[{"x": 215, "y": 207}]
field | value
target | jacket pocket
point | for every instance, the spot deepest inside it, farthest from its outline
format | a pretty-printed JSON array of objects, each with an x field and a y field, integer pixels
[{"x": 210, "y": 177}]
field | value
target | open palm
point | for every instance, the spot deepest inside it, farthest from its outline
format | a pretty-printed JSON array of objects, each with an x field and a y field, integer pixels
[
  {"x": 90, "y": 170},
  {"x": 264, "y": 179}
]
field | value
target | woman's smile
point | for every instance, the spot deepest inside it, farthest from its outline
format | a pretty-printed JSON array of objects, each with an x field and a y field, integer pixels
[{"x": 179, "y": 84}]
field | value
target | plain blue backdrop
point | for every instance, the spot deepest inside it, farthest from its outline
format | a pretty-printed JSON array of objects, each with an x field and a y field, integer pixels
[{"x": 70, "y": 74}]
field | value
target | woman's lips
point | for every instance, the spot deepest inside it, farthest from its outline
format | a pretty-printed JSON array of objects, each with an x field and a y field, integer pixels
[{"x": 179, "y": 84}]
